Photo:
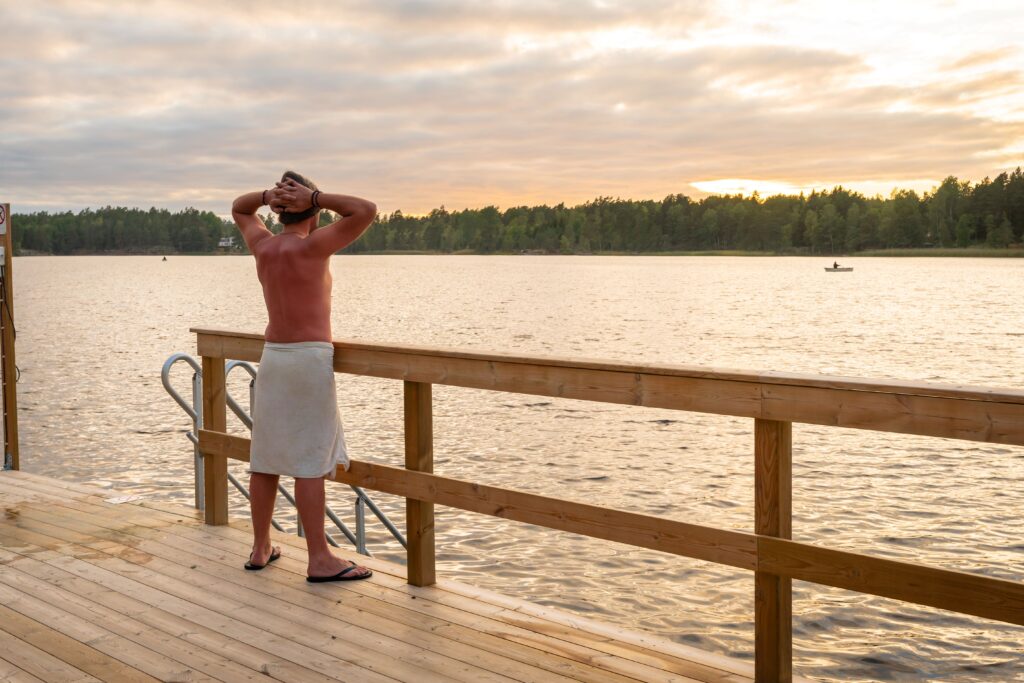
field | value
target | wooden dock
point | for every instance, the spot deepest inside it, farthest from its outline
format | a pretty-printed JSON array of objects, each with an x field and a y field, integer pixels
[{"x": 92, "y": 587}]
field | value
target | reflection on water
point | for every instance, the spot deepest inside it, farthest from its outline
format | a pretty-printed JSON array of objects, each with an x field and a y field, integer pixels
[{"x": 94, "y": 331}]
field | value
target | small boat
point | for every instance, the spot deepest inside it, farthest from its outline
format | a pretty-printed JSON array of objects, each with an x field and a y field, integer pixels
[{"x": 847, "y": 269}]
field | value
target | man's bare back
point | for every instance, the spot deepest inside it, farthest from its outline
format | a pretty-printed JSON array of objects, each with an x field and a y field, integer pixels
[{"x": 296, "y": 288}]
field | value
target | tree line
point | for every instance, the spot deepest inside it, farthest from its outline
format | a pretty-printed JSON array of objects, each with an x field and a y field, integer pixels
[
  {"x": 119, "y": 230},
  {"x": 955, "y": 214}
]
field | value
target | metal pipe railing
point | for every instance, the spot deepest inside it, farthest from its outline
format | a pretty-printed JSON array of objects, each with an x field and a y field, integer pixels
[
  {"x": 388, "y": 524},
  {"x": 195, "y": 412}
]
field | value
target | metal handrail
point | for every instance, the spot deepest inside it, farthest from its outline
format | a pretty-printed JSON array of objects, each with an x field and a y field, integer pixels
[
  {"x": 238, "y": 410},
  {"x": 165, "y": 377},
  {"x": 362, "y": 497},
  {"x": 194, "y": 411}
]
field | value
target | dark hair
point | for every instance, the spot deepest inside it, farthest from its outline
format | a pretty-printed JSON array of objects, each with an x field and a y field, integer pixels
[{"x": 289, "y": 217}]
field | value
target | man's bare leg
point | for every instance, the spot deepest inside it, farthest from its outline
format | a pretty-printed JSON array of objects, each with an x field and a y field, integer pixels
[
  {"x": 309, "y": 499},
  {"x": 262, "y": 493}
]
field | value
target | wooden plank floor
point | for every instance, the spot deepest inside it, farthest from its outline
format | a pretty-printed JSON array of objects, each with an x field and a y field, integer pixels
[{"x": 142, "y": 591}]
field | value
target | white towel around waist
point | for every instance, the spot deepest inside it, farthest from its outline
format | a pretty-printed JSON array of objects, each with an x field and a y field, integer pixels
[{"x": 296, "y": 427}]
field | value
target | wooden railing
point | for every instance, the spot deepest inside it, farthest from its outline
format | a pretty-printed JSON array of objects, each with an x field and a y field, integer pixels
[{"x": 773, "y": 400}]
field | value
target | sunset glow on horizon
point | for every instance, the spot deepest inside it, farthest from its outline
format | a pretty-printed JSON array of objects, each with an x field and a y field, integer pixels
[{"x": 462, "y": 104}]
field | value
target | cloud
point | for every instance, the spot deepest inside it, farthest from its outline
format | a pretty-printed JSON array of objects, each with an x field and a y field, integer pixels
[
  {"x": 981, "y": 88},
  {"x": 981, "y": 58},
  {"x": 459, "y": 103}
]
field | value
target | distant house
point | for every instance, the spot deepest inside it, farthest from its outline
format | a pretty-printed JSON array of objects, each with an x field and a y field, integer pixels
[{"x": 227, "y": 243}]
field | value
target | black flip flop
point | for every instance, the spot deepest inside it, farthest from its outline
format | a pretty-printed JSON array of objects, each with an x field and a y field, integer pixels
[
  {"x": 275, "y": 553},
  {"x": 343, "y": 575}
]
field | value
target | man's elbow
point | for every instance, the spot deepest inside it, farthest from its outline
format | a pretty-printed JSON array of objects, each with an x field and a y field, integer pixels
[{"x": 366, "y": 214}]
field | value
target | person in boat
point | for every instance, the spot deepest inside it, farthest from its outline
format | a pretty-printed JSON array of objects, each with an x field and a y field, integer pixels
[
  {"x": 835, "y": 265},
  {"x": 297, "y": 430}
]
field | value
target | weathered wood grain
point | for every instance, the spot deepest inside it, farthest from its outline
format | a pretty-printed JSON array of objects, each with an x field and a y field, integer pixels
[
  {"x": 773, "y": 514},
  {"x": 215, "y": 467},
  {"x": 10, "y": 367},
  {"x": 970, "y": 413},
  {"x": 967, "y": 593},
  {"x": 419, "y": 457}
]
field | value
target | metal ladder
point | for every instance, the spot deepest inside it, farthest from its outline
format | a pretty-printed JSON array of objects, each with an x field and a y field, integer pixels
[{"x": 195, "y": 411}]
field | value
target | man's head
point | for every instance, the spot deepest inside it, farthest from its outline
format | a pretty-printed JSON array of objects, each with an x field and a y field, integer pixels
[{"x": 289, "y": 218}]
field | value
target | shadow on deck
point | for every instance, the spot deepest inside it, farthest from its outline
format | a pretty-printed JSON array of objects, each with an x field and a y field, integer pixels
[{"x": 95, "y": 589}]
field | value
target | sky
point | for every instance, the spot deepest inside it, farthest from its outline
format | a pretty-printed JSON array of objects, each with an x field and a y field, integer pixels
[{"x": 415, "y": 105}]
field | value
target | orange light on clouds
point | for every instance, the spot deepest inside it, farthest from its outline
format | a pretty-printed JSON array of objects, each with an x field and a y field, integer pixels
[{"x": 767, "y": 188}]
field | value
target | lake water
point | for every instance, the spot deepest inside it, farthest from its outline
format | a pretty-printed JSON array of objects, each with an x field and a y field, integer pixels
[{"x": 93, "y": 333}]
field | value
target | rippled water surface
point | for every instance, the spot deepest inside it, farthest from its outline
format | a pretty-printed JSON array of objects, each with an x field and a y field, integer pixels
[{"x": 94, "y": 331}]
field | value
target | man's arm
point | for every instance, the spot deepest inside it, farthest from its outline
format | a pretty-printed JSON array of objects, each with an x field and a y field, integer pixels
[
  {"x": 244, "y": 212},
  {"x": 356, "y": 216}
]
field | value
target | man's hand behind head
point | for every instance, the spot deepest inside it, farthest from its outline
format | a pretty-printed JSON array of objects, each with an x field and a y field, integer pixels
[
  {"x": 277, "y": 200},
  {"x": 293, "y": 196}
]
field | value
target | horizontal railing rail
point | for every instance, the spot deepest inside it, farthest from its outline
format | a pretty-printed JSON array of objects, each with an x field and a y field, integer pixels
[
  {"x": 774, "y": 400},
  {"x": 969, "y": 413}
]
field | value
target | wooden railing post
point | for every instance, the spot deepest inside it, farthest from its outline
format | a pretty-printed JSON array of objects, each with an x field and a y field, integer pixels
[
  {"x": 9, "y": 457},
  {"x": 773, "y": 608},
  {"x": 215, "y": 419},
  {"x": 419, "y": 456}
]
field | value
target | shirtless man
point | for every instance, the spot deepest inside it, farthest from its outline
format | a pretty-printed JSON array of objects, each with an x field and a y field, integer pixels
[{"x": 296, "y": 427}]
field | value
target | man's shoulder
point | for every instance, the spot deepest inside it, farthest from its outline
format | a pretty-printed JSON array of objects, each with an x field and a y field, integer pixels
[
  {"x": 290, "y": 248},
  {"x": 270, "y": 244}
]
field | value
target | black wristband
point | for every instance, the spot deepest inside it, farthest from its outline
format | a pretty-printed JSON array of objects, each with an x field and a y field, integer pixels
[
  {"x": 264, "y": 198},
  {"x": 314, "y": 200}
]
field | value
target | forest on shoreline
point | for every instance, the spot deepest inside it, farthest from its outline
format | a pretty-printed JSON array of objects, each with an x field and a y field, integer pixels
[{"x": 955, "y": 215}]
